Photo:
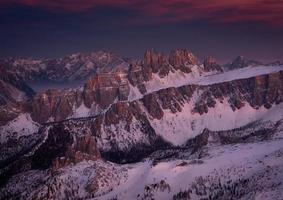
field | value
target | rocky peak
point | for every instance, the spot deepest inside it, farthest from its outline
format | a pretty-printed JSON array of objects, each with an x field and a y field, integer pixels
[
  {"x": 182, "y": 57},
  {"x": 241, "y": 62},
  {"x": 161, "y": 65},
  {"x": 154, "y": 60},
  {"x": 210, "y": 64},
  {"x": 155, "y": 63}
]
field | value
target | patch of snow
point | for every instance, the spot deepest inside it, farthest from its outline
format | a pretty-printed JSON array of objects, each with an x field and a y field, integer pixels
[
  {"x": 90, "y": 65},
  {"x": 81, "y": 111},
  {"x": 274, "y": 114},
  {"x": 68, "y": 66},
  {"x": 20, "y": 126},
  {"x": 134, "y": 93}
]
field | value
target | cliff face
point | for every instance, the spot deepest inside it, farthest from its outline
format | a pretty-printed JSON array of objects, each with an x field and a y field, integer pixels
[
  {"x": 104, "y": 89},
  {"x": 54, "y": 104},
  {"x": 98, "y": 93}
]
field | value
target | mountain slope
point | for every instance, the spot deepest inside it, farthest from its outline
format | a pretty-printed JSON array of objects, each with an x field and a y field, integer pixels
[{"x": 212, "y": 169}]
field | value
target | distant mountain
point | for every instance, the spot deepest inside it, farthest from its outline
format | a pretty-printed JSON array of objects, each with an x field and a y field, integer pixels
[
  {"x": 74, "y": 67},
  {"x": 14, "y": 96},
  {"x": 241, "y": 62}
]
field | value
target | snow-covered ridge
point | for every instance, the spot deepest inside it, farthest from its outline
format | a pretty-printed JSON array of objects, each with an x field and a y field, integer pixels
[
  {"x": 237, "y": 74},
  {"x": 186, "y": 124},
  {"x": 178, "y": 78}
]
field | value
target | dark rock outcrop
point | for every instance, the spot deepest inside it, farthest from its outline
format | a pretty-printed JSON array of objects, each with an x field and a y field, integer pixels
[{"x": 63, "y": 147}]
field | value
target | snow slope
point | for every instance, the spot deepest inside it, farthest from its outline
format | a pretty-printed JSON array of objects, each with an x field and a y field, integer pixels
[
  {"x": 178, "y": 127},
  {"x": 225, "y": 163},
  {"x": 22, "y": 125},
  {"x": 81, "y": 111}
]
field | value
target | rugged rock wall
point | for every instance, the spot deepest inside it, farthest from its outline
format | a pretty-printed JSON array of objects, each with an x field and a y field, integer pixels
[
  {"x": 104, "y": 89},
  {"x": 55, "y": 104},
  {"x": 126, "y": 128}
]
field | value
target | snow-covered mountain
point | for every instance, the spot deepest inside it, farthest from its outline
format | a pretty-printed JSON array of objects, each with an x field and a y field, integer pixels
[
  {"x": 241, "y": 62},
  {"x": 163, "y": 127},
  {"x": 77, "y": 66}
]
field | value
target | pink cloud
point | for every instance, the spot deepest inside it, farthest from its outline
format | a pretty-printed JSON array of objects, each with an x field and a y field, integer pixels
[{"x": 172, "y": 11}]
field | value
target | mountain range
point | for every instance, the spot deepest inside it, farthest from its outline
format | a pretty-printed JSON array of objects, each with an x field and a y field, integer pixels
[{"x": 160, "y": 127}]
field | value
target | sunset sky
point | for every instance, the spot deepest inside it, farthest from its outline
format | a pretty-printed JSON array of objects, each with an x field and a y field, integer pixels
[{"x": 221, "y": 28}]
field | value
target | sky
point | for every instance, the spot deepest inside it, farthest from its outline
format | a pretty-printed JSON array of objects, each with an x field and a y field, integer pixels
[{"x": 220, "y": 28}]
